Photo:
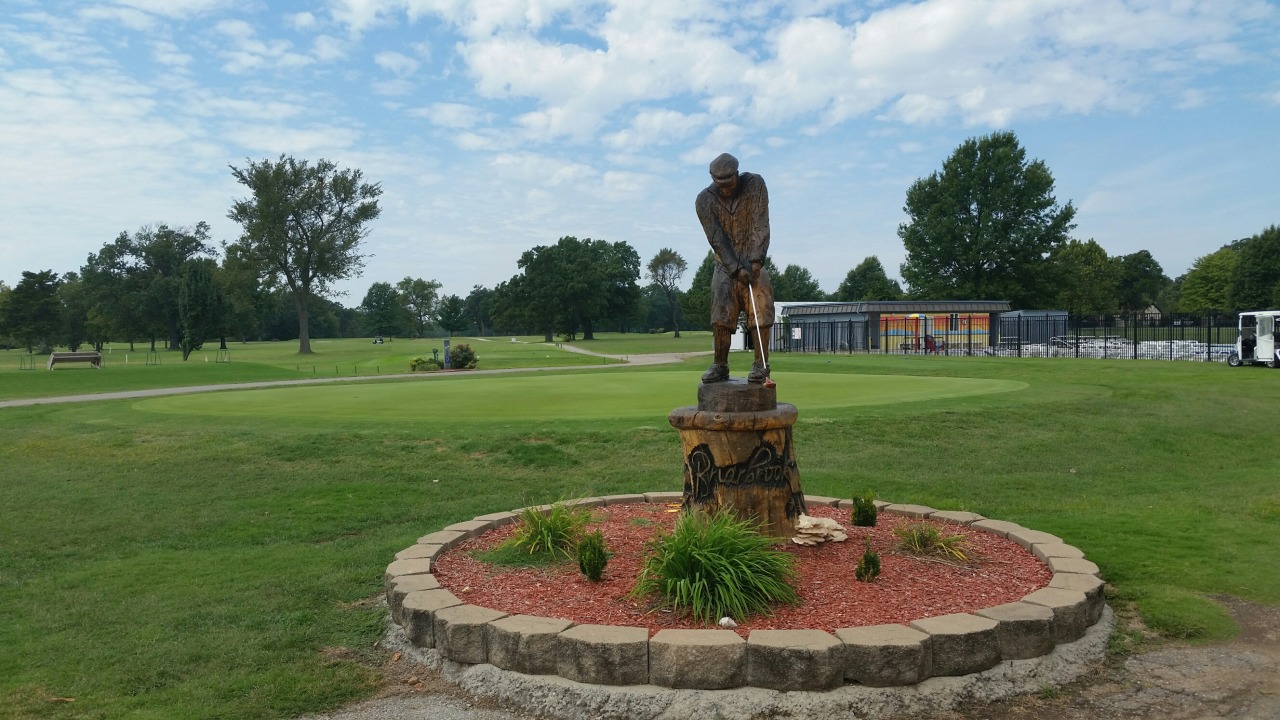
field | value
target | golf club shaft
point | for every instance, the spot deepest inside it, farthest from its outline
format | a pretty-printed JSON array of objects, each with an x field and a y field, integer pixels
[{"x": 755, "y": 315}]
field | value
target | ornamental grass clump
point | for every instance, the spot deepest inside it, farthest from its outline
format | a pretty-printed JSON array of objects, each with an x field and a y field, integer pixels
[
  {"x": 714, "y": 566},
  {"x": 923, "y": 538},
  {"x": 593, "y": 556},
  {"x": 555, "y": 532}
]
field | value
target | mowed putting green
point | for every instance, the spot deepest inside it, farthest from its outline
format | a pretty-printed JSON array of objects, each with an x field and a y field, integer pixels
[{"x": 556, "y": 397}]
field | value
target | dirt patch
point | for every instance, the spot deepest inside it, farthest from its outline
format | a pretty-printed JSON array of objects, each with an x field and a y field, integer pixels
[{"x": 1234, "y": 680}]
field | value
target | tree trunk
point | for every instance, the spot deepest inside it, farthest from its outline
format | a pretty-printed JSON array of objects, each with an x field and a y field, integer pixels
[
  {"x": 675, "y": 314},
  {"x": 588, "y": 331},
  {"x": 304, "y": 331},
  {"x": 738, "y": 455}
]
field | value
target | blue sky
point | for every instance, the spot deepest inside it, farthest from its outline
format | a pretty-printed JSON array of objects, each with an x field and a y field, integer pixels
[{"x": 499, "y": 125}]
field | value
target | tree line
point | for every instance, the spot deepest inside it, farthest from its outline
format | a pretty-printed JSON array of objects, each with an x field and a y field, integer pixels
[{"x": 986, "y": 226}]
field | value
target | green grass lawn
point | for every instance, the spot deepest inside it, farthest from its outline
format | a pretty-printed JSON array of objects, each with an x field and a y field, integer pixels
[
  {"x": 213, "y": 556},
  {"x": 250, "y": 362}
]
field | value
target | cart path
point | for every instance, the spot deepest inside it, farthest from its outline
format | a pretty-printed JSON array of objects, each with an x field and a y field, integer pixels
[{"x": 631, "y": 360}]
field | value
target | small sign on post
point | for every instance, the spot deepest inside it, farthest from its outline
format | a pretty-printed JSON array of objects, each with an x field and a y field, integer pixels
[{"x": 447, "y": 364}]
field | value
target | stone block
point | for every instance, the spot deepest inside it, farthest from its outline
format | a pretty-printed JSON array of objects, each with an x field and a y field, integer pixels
[
  {"x": 470, "y": 528},
  {"x": 1044, "y": 551},
  {"x": 959, "y": 517},
  {"x": 1093, "y": 587},
  {"x": 697, "y": 659},
  {"x": 623, "y": 499},
  {"x": 885, "y": 655},
  {"x": 909, "y": 510},
  {"x": 1024, "y": 630},
  {"x": 402, "y": 586},
  {"x": 845, "y": 505},
  {"x": 794, "y": 660},
  {"x": 1070, "y": 611},
  {"x": 880, "y": 504},
  {"x": 420, "y": 551},
  {"x": 418, "y": 611},
  {"x": 663, "y": 497},
  {"x": 1027, "y": 538},
  {"x": 604, "y": 655},
  {"x": 961, "y": 643},
  {"x": 997, "y": 527},
  {"x": 447, "y": 538},
  {"x": 525, "y": 643},
  {"x": 1072, "y": 565},
  {"x": 460, "y": 632},
  {"x": 497, "y": 519},
  {"x": 587, "y": 502},
  {"x": 821, "y": 500},
  {"x": 410, "y": 566}
]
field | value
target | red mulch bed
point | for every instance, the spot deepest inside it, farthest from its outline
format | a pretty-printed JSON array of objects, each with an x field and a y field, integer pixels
[{"x": 909, "y": 588}]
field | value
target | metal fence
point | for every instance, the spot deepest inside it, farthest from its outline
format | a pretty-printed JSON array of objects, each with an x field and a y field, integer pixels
[{"x": 1204, "y": 338}]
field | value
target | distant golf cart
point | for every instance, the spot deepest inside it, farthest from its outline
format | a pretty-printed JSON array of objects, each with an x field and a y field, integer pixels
[{"x": 1259, "y": 339}]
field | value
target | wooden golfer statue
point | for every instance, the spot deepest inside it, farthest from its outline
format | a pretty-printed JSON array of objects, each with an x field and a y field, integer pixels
[
  {"x": 734, "y": 211},
  {"x": 738, "y": 451}
]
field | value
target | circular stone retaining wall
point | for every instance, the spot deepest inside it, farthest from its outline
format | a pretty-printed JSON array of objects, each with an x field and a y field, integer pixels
[{"x": 785, "y": 660}]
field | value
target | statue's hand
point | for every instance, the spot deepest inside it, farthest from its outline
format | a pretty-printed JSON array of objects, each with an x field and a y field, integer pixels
[{"x": 744, "y": 276}]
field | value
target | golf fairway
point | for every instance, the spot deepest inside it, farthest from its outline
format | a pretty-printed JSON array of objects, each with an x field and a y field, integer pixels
[{"x": 555, "y": 397}]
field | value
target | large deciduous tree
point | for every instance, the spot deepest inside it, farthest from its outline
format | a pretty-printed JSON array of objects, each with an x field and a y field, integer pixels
[
  {"x": 202, "y": 305},
  {"x": 420, "y": 299},
  {"x": 1257, "y": 278},
  {"x": 33, "y": 312},
  {"x": 303, "y": 227},
  {"x": 384, "y": 310},
  {"x": 1087, "y": 278},
  {"x": 570, "y": 286},
  {"x": 1141, "y": 282},
  {"x": 1207, "y": 285},
  {"x": 479, "y": 303},
  {"x": 452, "y": 315},
  {"x": 985, "y": 226},
  {"x": 665, "y": 270},
  {"x": 796, "y": 284},
  {"x": 868, "y": 281}
]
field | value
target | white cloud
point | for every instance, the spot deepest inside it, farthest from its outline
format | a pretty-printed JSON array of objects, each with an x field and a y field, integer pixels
[
  {"x": 246, "y": 52},
  {"x": 301, "y": 21},
  {"x": 170, "y": 54},
  {"x": 452, "y": 115},
  {"x": 128, "y": 17},
  {"x": 174, "y": 8},
  {"x": 327, "y": 48},
  {"x": 396, "y": 63}
]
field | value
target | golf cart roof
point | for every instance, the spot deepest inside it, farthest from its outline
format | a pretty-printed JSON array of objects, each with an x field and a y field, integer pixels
[{"x": 1273, "y": 313}]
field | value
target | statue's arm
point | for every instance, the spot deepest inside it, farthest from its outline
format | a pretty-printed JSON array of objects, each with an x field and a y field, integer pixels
[{"x": 759, "y": 227}]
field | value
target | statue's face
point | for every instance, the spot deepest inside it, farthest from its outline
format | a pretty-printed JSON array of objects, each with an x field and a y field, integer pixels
[{"x": 727, "y": 185}]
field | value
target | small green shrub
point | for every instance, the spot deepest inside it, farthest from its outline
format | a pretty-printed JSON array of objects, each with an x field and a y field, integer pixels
[
  {"x": 593, "y": 555},
  {"x": 713, "y": 566},
  {"x": 424, "y": 363},
  {"x": 923, "y": 538},
  {"x": 864, "y": 511},
  {"x": 868, "y": 568},
  {"x": 554, "y": 532},
  {"x": 462, "y": 357}
]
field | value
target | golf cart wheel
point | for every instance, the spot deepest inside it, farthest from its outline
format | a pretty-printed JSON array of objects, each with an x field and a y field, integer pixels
[
  {"x": 1234, "y": 360},
  {"x": 1273, "y": 363}
]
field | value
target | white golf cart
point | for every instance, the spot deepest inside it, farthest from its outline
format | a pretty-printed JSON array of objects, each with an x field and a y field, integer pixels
[{"x": 1259, "y": 339}]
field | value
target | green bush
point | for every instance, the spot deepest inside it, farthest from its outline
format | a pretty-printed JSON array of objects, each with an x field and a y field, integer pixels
[
  {"x": 923, "y": 538},
  {"x": 864, "y": 511},
  {"x": 714, "y": 566},
  {"x": 424, "y": 363},
  {"x": 462, "y": 357},
  {"x": 554, "y": 532},
  {"x": 592, "y": 556},
  {"x": 868, "y": 568}
]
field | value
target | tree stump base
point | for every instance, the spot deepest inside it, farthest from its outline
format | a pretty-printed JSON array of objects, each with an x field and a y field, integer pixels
[{"x": 738, "y": 454}]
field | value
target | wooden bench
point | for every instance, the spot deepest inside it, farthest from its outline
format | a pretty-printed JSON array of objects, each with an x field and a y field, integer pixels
[{"x": 94, "y": 358}]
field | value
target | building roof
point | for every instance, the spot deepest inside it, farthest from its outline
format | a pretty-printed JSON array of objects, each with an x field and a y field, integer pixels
[{"x": 895, "y": 306}]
